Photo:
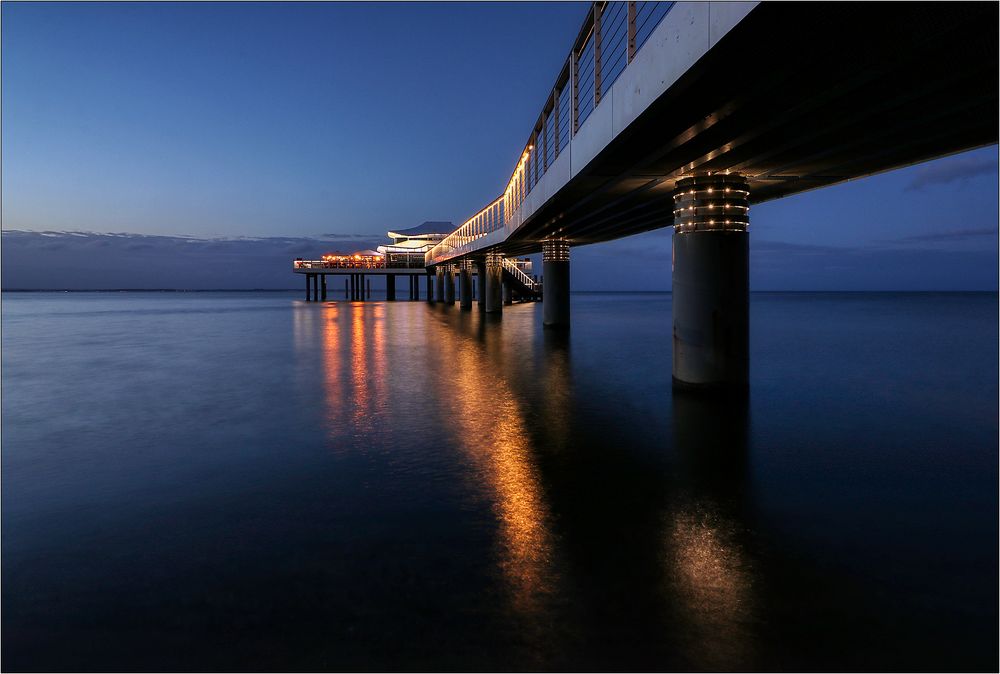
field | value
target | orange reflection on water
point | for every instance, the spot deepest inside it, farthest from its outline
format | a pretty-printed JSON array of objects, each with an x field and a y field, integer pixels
[
  {"x": 332, "y": 384},
  {"x": 709, "y": 573},
  {"x": 360, "y": 376},
  {"x": 488, "y": 423}
]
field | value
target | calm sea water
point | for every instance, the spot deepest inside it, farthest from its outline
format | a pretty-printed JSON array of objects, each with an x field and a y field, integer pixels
[{"x": 247, "y": 481}]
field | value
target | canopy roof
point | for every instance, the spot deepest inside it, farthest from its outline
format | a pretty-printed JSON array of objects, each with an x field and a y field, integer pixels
[
  {"x": 409, "y": 244},
  {"x": 424, "y": 229}
]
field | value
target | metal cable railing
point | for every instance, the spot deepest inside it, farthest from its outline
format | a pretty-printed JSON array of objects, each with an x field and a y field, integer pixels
[{"x": 608, "y": 41}]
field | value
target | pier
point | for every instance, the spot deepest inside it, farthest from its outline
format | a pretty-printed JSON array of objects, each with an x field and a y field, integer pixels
[
  {"x": 686, "y": 114},
  {"x": 404, "y": 258}
]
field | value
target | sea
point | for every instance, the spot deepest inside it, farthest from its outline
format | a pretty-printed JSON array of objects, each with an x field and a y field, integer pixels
[{"x": 202, "y": 481}]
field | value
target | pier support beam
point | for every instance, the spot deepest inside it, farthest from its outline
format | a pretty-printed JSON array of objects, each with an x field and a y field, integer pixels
[
  {"x": 430, "y": 285},
  {"x": 555, "y": 280},
  {"x": 494, "y": 282},
  {"x": 711, "y": 288},
  {"x": 390, "y": 287},
  {"x": 323, "y": 287},
  {"x": 449, "y": 284},
  {"x": 465, "y": 284},
  {"x": 481, "y": 281},
  {"x": 308, "y": 287}
]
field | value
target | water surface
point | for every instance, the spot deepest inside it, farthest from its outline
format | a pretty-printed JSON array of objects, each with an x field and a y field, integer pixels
[{"x": 247, "y": 481}]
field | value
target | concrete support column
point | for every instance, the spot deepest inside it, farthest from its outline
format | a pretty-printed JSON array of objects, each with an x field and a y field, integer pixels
[
  {"x": 481, "y": 281},
  {"x": 555, "y": 279},
  {"x": 430, "y": 285},
  {"x": 308, "y": 288},
  {"x": 494, "y": 282},
  {"x": 508, "y": 295},
  {"x": 315, "y": 287},
  {"x": 449, "y": 284},
  {"x": 465, "y": 284},
  {"x": 390, "y": 287},
  {"x": 439, "y": 283},
  {"x": 323, "y": 287},
  {"x": 711, "y": 288},
  {"x": 347, "y": 290}
]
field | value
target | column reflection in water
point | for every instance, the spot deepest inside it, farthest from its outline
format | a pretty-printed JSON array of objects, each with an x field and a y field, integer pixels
[
  {"x": 488, "y": 424},
  {"x": 556, "y": 389},
  {"x": 709, "y": 574}
]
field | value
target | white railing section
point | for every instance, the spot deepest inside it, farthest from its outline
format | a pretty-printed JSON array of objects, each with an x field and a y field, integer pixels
[
  {"x": 517, "y": 273},
  {"x": 608, "y": 41}
]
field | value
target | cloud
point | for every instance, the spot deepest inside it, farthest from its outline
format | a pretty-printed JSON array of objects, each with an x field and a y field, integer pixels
[
  {"x": 938, "y": 237},
  {"x": 776, "y": 265},
  {"x": 956, "y": 169},
  {"x": 89, "y": 260}
]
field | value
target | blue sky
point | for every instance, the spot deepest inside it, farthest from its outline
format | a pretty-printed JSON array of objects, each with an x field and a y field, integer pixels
[{"x": 310, "y": 122}]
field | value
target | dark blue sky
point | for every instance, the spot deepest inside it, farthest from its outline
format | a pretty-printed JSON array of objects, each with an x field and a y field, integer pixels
[{"x": 304, "y": 120}]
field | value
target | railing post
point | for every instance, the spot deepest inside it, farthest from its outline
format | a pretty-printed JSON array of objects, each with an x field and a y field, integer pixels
[
  {"x": 598, "y": 8},
  {"x": 555, "y": 124},
  {"x": 631, "y": 31},
  {"x": 574, "y": 76}
]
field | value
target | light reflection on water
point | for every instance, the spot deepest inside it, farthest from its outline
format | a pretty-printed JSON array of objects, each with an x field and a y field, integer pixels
[
  {"x": 708, "y": 570},
  {"x": 486, "y": 421},
  {"x": 399, "y": 485}
]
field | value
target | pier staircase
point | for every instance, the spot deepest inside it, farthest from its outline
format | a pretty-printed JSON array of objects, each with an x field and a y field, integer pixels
[{"x": 522, "y": 285}]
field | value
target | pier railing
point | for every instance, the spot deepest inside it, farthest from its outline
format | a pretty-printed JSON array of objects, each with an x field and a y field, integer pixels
[
  {"x": 339, "y": 264},
  {"x": 611, "y": 35}
]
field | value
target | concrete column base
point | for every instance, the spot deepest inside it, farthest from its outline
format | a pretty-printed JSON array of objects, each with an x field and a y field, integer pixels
[
  {"x": 555, "y": 284},
  {"x": 711, "y": 287},
  {"x": 481, "y": 282},
  {"x": 449, "y": 284},
  {"x": 465, "y": 285},
  {"x": 494, "y": 283}
]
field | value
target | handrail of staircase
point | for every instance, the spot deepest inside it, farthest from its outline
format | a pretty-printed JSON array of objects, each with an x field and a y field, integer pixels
[{"x": 519, "y": 274}]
